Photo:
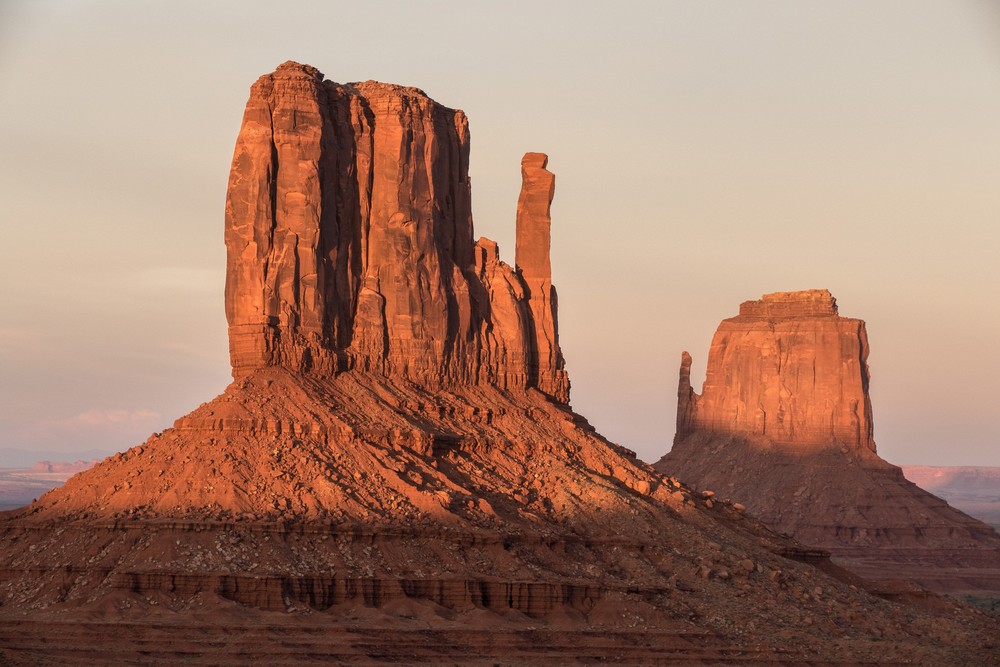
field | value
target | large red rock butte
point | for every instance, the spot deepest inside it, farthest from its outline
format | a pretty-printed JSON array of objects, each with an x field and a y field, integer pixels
[
  {"x": 350, "y": 243},
  {"x": 783, "y": 425},
  {"x": 395, "y": 475}
]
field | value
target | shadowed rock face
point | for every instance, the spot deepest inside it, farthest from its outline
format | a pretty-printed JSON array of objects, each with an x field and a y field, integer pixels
[
  {"x": 350, "y": 243},
  {"x": 787, "y": 368},
  {"x": 784, "y": 426}
]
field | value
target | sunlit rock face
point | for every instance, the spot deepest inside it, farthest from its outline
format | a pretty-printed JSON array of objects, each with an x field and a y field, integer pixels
[
  {"x": 787, "y": 368},
  {"x": 350, "y": 243}
]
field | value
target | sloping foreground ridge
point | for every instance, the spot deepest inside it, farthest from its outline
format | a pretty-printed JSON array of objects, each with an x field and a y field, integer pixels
[
  {"x": 395, "y": 475},
  {"x": 783, "y": 425}
]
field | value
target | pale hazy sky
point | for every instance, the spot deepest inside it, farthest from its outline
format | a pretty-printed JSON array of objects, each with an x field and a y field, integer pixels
[{"x": 705, "y": 153}]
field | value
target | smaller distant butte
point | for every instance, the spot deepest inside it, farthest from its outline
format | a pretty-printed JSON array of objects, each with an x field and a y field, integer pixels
[
  {"x": 787, "y": 368},
  {"x": 783, "y": 425}
]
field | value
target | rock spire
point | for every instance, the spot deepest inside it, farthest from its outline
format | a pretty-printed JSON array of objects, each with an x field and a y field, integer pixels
[
  {"x": 350, "y": 243},
  {"x": 534, "y": 222}
]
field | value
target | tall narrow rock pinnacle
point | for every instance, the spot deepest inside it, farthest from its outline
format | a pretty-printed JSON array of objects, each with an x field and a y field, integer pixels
[
  {"x": 534, "y": 222},
  {"x": 350, "y": 243}
]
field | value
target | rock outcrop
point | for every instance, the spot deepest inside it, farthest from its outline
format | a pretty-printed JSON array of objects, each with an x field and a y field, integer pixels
[
  {"x": 787, "y": 368},
  {"x": 783, "y": 426},
  {"x": 350, "y": 243},
  {"x": 394, "y": 475}
]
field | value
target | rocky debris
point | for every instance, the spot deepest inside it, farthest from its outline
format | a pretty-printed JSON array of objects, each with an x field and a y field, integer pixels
[
  {"x": 350, "y": 243},
  {"x": 394, "y": 474},
  {"x": 783, "y": 425}
]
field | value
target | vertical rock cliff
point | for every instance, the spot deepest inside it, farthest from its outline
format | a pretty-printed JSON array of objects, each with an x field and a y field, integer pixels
[
  {"x": 783, "y": 425},
  {"x": 350, "y": 243}
]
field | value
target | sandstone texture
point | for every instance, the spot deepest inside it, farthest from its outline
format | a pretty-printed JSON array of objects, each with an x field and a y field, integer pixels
[
  {"x": 783, "y": 425},
  {"x": 395, "y": 476},
  {"x": 534, "y": 223}
]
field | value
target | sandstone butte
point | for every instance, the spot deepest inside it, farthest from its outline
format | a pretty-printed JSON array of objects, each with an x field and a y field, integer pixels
[
  {"x": 783, "y": 425},
  {"x": 395, "y": 474}
]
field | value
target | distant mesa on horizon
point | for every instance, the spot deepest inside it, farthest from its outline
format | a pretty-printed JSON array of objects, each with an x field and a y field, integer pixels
[
  {"x": 11, "y": 458},
  {"x": 973, "y": 489},
  {"x": 62, "y": 467}
]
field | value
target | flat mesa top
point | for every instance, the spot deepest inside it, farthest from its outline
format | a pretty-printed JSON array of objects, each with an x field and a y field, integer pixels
[
  {"x": 297, "y": 73},
  {"x": 805, "y": 303}
]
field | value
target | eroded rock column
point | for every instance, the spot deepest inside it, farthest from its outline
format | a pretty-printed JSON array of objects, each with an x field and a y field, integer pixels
[
  {"x": 275, "y": 286},
  {"x": 534, "y": 222}
]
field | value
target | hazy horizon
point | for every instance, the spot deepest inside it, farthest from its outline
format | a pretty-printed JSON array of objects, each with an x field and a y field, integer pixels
[{"x": 705, "y": 153}]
